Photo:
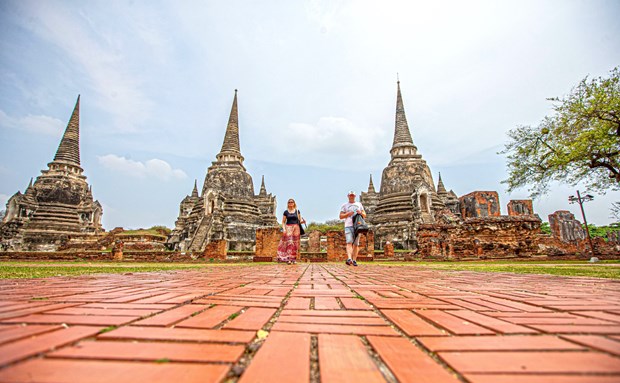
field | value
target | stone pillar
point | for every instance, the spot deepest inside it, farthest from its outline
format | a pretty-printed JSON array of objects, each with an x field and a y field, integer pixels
[
  {"x": 267, "y": 240},
  {"x": 117, "y": 250},
  {"x": 314, "y": 242},
  {"x": 336, "y": 246},
  {"x": 367, "y": 245},
  {"x": 520, "y": 207},
  {"x": 565, "y": 227},
  {"x": 216, "y": 249},
  {"x": 388, "y": 250},
  {"x": 480, "y": 204}
]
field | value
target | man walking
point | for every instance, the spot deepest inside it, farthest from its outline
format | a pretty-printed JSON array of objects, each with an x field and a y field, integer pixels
[{"x": 346, "y": 212}]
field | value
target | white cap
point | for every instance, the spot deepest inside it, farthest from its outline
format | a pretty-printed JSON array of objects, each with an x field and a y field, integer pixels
[{"x": 351, "y": 192}]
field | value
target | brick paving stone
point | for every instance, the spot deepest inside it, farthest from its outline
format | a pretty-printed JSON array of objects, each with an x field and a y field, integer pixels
[
  {"x": 329, "y": 313},
  {"x": 578, "y": 320},
  {"x": 155, "y": 307},
  {"x": 376, "y": 321},
  {"x": 32, "y": 310},
  {"x": 209, "y": 318},
  {"x": 601, "y": 315},
  {"x": 321, "y": 293},
  {"x": 152, "y": 351},
  {"x": 179, "y": 334},
  {"x": 516, "y": 305},
  {"x": 43, "y": 342},
  {"x": 412, "y": 324},
  {"x": 55, "y": 371},
  {"x": 283, "y": 358},
  {"x": 492, "y": 323},
  {"x": 253, "y": 318},
  {"x": 532, "y": 362},
  {"x": 99, "y": 320},
  {"x": 171, "y": 317},
  {"x": 102, "y": 311},
  {"x": 298, "y": 303},
  {"x": 344, "y": 359},
  {"x": 578, "y": 329},
  {"x": 546, "y": 378},
  {"x": 452, "y": 323},
  {"x": 354, "y": 304},
  {"x": 14, "y": 332},
  {"x": 326, "y": 303},
  {"x": 408, "y": 363},
  {"x": 334, "y": 329},
  {"x": 497, "y": 343},
  {"x": 242, "y": 303},
  {"x": 597, "y": 342}
]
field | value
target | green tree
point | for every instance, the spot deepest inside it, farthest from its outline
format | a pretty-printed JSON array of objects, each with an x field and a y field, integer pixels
[{"x": 579, "y": 142}]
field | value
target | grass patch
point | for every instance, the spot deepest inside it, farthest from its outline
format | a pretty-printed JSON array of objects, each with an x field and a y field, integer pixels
[
  {"x": 39, "y": 298},
  {"x": 602, "y": 269},
  {"x": 46, "y": 269},
  {"x": 162, "y": 360},
  {"x": 108, "y": 329},
  {"x": 233, "y": 316}
]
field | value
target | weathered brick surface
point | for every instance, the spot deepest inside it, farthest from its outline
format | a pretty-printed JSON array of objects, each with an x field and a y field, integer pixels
[
  {"x": 520, "y": 207},
  {"x": 565, "y": 227},
  {"x": 480, "y": 204},
  {"x": 267, "y": 240},
  {"x": 215, "y": 249},
  {"x": 384, "y": 323},
  {"x": 336, "y": 246},
  {"x": 490, "y": 237},
  {"x": 388, "y": 250},
  {"x": 314, "y": 242}
]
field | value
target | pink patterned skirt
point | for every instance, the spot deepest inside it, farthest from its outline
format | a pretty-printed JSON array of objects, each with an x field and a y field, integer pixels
[{"x": 289, "y": 244}]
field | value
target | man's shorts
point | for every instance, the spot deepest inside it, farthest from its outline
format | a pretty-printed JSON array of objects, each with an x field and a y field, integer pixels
[{"x": 348, "y": 234}]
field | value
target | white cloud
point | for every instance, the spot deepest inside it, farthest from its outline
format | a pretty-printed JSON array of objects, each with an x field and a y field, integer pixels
[
  {"x": 100, "y": 56},
  {"x": 331, "y": 141},
  {"x": 37, "y": 124},
  {"x": 152, "y": 168}
]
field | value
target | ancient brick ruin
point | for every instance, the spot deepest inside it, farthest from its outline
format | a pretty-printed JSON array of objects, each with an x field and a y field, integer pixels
[
  {"x": 410, "y": 218},
  {"x": 407, "y": 197},
  {"x": 59, "y": 204},
  {"x": 227, "y": 208}
]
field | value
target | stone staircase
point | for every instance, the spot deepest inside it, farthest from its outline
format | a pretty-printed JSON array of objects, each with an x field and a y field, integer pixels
[{"x": 201, "y": 234}]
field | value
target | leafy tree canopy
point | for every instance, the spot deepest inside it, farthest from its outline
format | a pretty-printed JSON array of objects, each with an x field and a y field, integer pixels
[{"x": 579, "y": 142}]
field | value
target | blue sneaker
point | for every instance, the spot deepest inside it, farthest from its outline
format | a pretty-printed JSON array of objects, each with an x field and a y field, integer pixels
[
  {"x": 354, "y": 263},
  {"x": 349, "y": 262}
]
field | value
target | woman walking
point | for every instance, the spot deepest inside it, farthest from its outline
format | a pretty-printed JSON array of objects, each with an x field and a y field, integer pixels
[{"x": 288, "y": 249}]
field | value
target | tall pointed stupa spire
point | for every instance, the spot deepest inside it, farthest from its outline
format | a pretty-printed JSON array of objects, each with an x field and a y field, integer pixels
[
  {"x": 371, "y": 186},
  {"x": 441, "y": 189},
  {"x": 263, "y": 189},
  {"x": 231, "y": 139},
  {"x": 230, "y": 148},
  {"x": 69, "y": 148},
  {"x": 195, "y": 191},
  {"x": 402, "y": 135}
]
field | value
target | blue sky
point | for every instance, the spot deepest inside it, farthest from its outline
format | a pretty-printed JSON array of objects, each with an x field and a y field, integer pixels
[{"x": 317, "y": 92}]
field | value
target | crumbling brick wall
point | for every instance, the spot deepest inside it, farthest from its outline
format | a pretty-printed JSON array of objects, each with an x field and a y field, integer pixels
[
  {"x": 489, "y": 237},
  {"x": 337, "y": 245},
  {"x": 480, "y": 204},
  {"x": 267, "y": 240},
  {"x": 518, "y": 207},
  {"x": 565, "y": 227},
  {"x": 314, "y": 242},
  {"x": 216, "y": 249}
]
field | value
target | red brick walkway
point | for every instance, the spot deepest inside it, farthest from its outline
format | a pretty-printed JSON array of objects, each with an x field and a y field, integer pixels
[{"x": 327, "y": 323}]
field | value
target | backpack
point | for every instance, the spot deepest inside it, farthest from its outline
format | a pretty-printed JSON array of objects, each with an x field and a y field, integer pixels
[{"x": 359, "y": 225}]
